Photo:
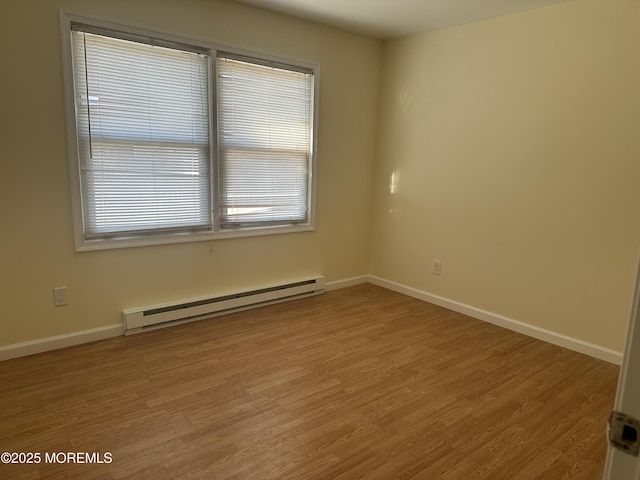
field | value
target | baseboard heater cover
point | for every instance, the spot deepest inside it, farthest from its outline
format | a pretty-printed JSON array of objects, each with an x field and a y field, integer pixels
[{"x": 137, "y": 320}]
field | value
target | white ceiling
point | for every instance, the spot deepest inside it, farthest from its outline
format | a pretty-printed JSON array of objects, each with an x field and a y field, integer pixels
[{"x": 386, "y": 19}]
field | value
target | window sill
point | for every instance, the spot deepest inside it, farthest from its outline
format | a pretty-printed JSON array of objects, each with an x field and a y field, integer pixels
[{"x": 152, "y": 240}]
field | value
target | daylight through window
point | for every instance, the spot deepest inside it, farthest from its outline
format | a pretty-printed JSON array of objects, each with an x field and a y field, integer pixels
[{"x": 175, "y": 139}]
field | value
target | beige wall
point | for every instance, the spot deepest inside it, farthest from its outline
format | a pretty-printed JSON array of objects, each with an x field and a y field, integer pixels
[
  {"x": 36, "y": 244},
  {"x": 516, "y": 147},
  {"x": 515, "y": 143}
]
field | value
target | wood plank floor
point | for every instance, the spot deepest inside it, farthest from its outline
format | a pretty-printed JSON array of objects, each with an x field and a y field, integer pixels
[{"x": 359, "y": 383}]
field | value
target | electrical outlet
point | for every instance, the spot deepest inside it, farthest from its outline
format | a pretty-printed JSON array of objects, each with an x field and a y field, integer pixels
[
  {"x": 437, "y": 267},
  {"x": 60, "y": 296}
]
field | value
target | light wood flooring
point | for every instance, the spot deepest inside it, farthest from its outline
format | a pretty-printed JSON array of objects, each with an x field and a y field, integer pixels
[{"x": 358, "y": 383}]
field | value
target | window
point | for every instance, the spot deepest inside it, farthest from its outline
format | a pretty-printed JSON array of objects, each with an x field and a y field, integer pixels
[
  {"x": 173, "y": 141},
  {"x": 264, "y": 117}
]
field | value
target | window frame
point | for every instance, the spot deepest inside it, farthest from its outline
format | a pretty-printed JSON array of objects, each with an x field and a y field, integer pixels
[{"x": 67, "y": 19}]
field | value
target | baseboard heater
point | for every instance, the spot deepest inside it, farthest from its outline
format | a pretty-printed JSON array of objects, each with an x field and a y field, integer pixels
[{"x": 137, "y": 320}]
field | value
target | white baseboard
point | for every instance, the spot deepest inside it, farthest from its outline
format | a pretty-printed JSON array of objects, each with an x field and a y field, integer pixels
[
  {"x": 59, "y": 341},
  {"x": 85, "y": 336},
  {"x": 347, "y": 282},
  {"x": 555, "y": 338},
  {"x": 32, "y": 347}
]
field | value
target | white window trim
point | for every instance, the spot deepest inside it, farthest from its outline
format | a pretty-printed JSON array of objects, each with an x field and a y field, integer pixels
[{"x": 81, "y": 244}]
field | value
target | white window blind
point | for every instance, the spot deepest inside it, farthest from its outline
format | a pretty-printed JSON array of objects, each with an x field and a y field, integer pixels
[
  {"x": 264, "y": 142},
  {"x": 143, "y": 136}
]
